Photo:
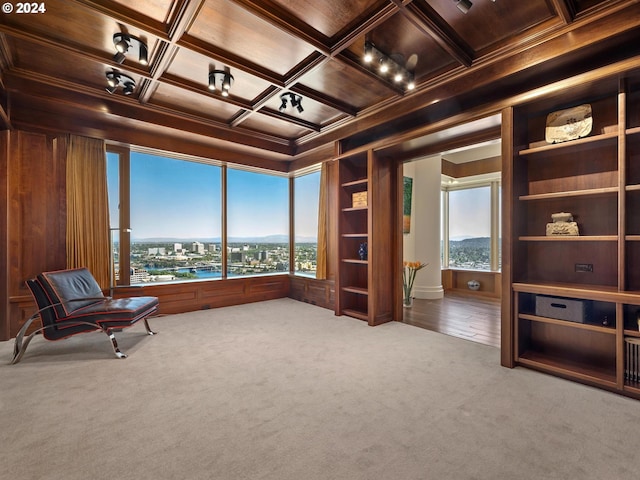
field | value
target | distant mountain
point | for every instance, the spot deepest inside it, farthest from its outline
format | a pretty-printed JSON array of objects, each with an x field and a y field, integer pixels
[{"x": 476, "y": 242}]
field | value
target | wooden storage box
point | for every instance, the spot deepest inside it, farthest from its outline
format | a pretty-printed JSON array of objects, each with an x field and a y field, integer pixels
[
  {"x": 569, "y": 309},
  {"x": 359, "y": 199}
]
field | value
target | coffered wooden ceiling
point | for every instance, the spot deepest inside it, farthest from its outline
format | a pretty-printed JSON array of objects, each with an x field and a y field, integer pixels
[{"x": 53, "y": 65}]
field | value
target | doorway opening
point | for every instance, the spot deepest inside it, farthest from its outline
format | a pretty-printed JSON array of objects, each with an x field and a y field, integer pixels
[{"x": 454, "y": 225}]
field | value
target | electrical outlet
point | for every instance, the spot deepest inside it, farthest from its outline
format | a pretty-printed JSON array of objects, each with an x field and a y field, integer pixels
[{"x": 584, "y": 267}]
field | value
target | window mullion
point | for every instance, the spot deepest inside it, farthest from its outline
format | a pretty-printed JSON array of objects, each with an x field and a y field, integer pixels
[
  {"x": 495, "y": 225},
  {"x": 445, "y": 228}
]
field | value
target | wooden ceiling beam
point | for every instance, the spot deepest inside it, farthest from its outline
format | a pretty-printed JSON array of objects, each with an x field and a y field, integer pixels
[
  {"x": 290, "y": 118},
  {"x": 313, "y": 61},
  {"x": 184, "y": 14},
  {"x": 182, "y": 17},
  {"x": 465, "y": 140},
  {"x": 365, "y": 25},
  {"x": 324, "y": 99},
  {"x": 427, "y": 20},
  {"x": 566, "y": 10},
  {"x": 263, "y": 98}
]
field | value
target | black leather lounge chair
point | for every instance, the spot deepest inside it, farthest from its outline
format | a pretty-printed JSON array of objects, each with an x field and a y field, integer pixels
[{"x": 71, "y": 302}]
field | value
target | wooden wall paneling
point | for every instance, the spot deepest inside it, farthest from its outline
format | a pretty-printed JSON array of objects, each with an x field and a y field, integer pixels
[
  {"x": 202, "y": 295},
  {"x": 313, "y": 291},
  {"x": 4, "y": 235},
  {"x": 268, "y": 288},
  {"x": 478, "y": 167},
  {"x": 38, "y": 208},
  {"x": 36, "y": 227},
  {"x": 490, "y": 282}
]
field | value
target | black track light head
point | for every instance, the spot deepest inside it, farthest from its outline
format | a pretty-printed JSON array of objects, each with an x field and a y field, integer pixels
[
  {"x": 223, "y": 78},
  {"x": 125, "y": 44},
  {"x": 117, "y": 79},
  {"x": 296, "y": 101},
  {"x": 128, "y": 88},
  {"x": 464, "y": 5}
]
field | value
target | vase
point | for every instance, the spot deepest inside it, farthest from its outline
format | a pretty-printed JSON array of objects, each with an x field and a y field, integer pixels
[
  {"x": 362, "y": 251},
  {"x": 407, "y": 302}
]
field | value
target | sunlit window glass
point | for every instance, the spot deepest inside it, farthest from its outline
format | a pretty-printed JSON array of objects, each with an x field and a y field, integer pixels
[
  {"x": 470, "y": 228},
  {"x": 175, "y": 220},
  {"x": 306, "y": 197},
  {"x": 257, "y": 223}
]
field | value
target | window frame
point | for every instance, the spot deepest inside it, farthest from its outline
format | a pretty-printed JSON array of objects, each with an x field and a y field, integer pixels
[
  {"x": 298, "y": 174},
  {"x": 124, "y": 201}
]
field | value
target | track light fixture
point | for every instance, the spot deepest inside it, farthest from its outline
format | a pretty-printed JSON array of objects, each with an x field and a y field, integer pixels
[
  {"x": 296, "y": 101},
  {"x": 222, "y": 78},
  {"x": 464, "y": 5},
  {"x": 387, "y": 66},
  {"x": 117, "y": 79},
  {"x": 125, "y": 43}
]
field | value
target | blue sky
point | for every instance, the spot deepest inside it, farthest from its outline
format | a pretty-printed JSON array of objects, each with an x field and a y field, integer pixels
[
  {"x": 470, "y": 213},
  {"x": 174, "y": 198}
]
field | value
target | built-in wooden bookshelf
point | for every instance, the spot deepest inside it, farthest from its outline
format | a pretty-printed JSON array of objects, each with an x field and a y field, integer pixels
[
  {"x": 597, "y": 179},
  {"x": 364, "y": 285}
]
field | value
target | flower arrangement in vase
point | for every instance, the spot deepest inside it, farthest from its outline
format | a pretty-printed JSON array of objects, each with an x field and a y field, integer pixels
[{"x": 409, "y": 271}]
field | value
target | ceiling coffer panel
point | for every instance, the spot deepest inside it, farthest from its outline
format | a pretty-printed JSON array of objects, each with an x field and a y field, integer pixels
[
  {"x": 329, "y": 17},
  {"x": 231, "y": 28},
  {"x": 490, "y": 22}
]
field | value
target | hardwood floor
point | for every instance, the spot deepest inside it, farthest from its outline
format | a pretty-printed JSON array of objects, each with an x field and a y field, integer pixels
[{"x": 459, "y": 315}]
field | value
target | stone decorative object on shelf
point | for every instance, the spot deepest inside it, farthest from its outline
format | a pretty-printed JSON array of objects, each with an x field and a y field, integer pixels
[
  {"x": 562, "y": 225},
  {"x": 473, "y": 285},
  {"x": 569, "y": 124}
]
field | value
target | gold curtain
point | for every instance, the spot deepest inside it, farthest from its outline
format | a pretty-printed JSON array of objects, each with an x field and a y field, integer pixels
[
  {"x": 321, "y": 268},
  {"x": 88, "y": 242}
]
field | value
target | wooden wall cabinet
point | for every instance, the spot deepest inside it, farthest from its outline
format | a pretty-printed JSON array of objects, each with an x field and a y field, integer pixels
[
  {"x": 365, "y": 284},
  {"x": 597, "y": 179}
]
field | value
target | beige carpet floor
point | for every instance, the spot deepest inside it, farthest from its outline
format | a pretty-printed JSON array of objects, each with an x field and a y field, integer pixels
[{"x": 285, "y": 390}]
